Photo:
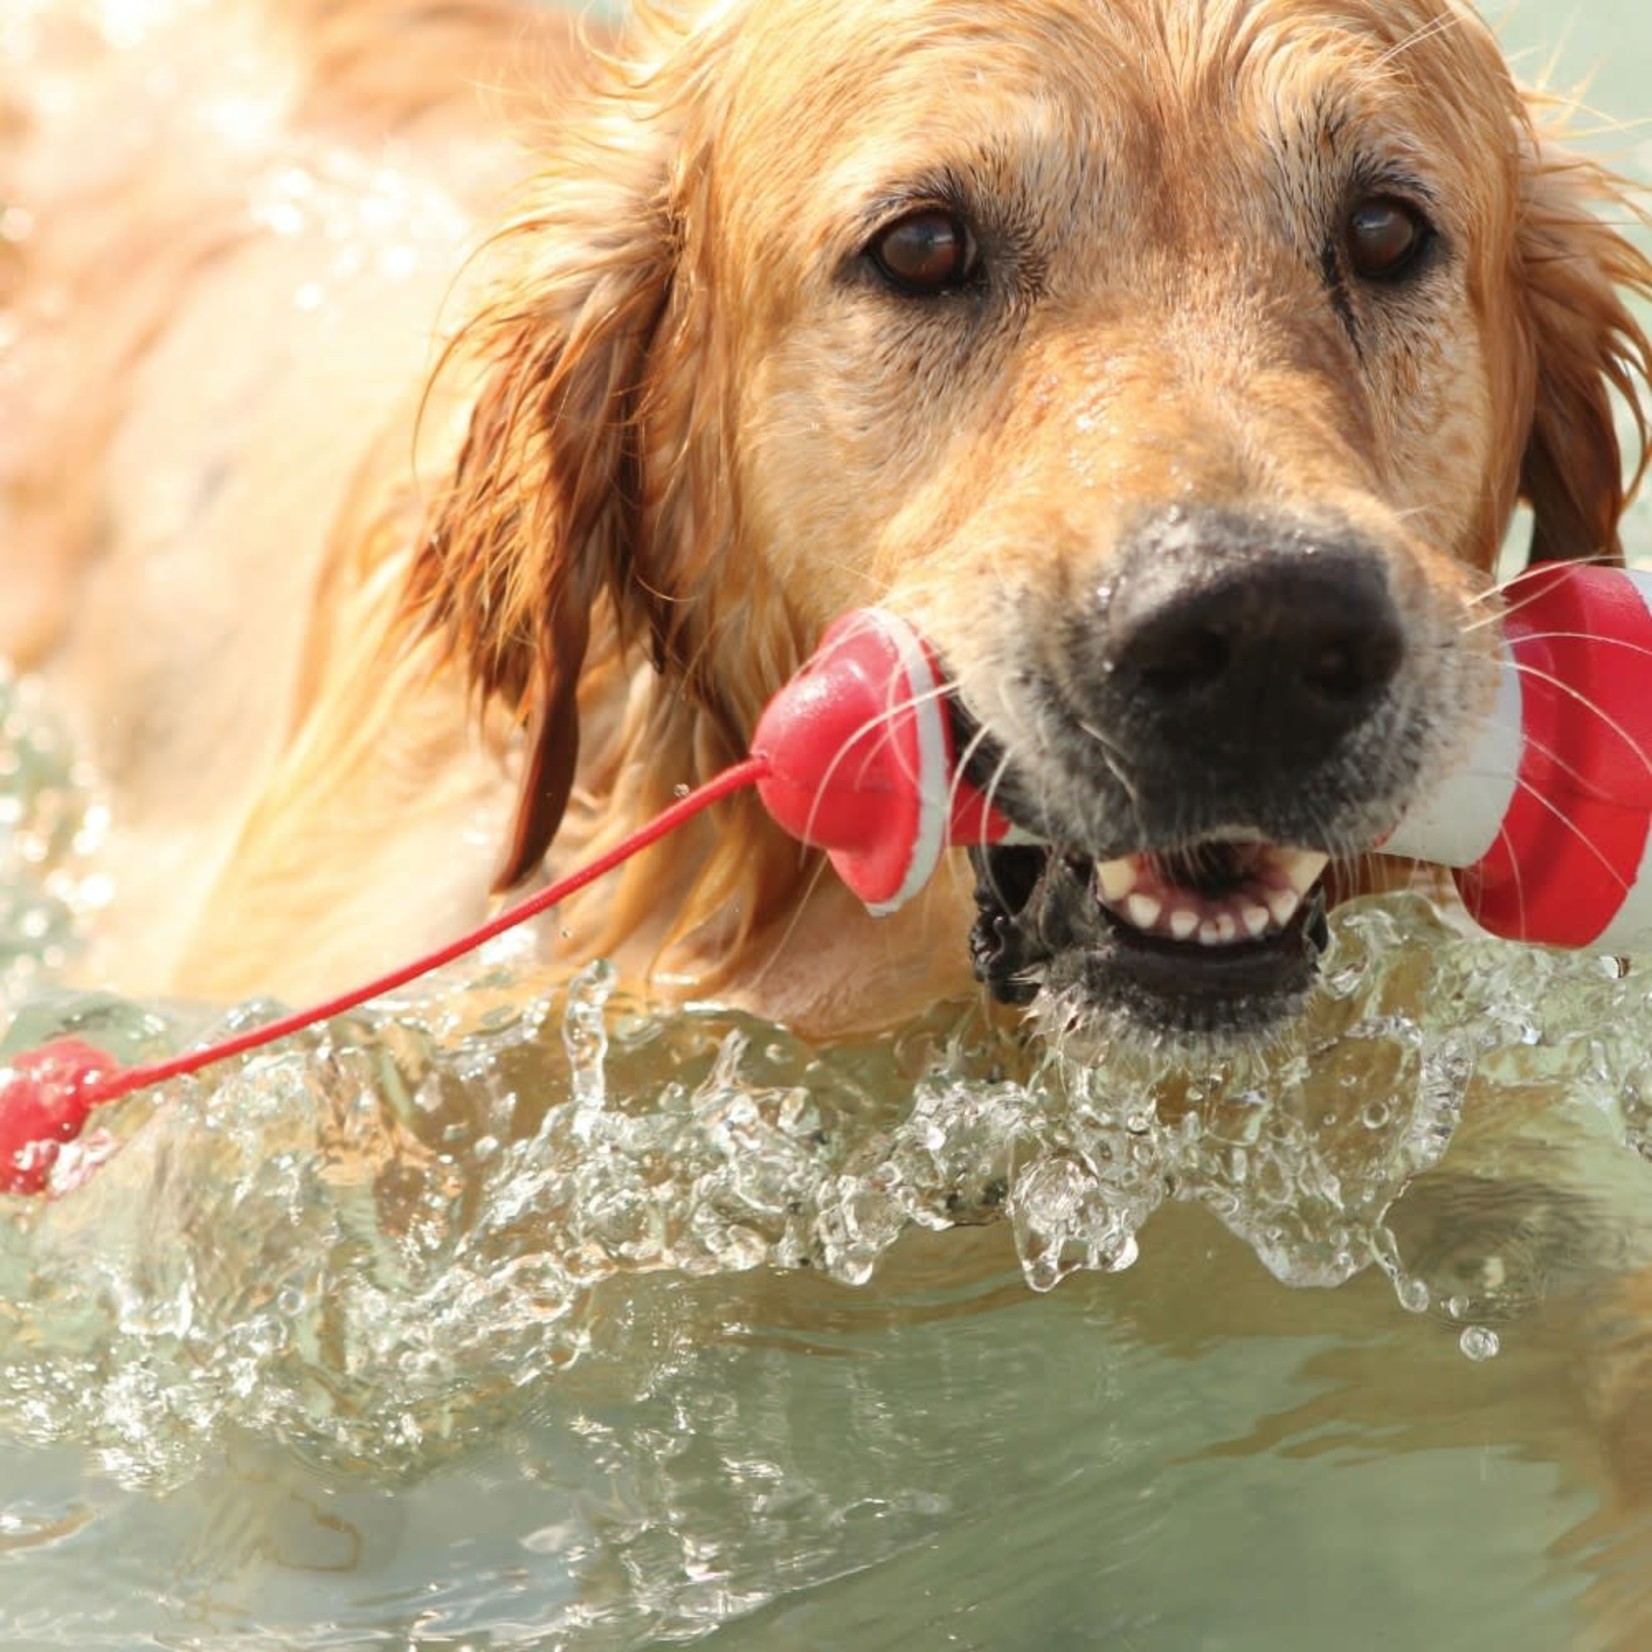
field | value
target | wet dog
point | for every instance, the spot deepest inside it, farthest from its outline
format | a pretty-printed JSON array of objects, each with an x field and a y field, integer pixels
[{"x": 1175, "y": 370}]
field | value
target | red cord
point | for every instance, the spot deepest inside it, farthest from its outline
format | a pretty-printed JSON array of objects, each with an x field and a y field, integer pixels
[{"x": 131, "y": 1079}]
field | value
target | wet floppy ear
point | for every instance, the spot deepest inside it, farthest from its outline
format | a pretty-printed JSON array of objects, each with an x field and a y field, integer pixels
[
  {"x": 1577, "y": 274},
  {"x": 540, "y": 515}
]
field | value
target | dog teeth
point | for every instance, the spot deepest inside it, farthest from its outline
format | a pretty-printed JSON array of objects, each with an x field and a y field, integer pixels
[
  {"x": 1135, "y": 889},
  {"x": 1282, "y": 907},
  {"x": 1144, "y": 911},
  {"x": 1117, "y": 879},
  {"x": 1301, "y": 868}
]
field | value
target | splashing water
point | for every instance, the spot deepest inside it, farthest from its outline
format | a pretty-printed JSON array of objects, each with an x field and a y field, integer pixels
[{"x": 369, "y": 1240}]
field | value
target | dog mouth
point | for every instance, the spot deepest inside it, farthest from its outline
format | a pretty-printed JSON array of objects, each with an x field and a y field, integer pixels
[
  {"x": 1214, "y": 894},
  {"x": 1217, "y": 937}
]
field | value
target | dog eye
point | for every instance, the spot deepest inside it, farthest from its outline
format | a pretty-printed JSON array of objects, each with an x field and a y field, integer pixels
[
  {"x": 1384, "y": 238},
  {"x": 925, "y": 253}
]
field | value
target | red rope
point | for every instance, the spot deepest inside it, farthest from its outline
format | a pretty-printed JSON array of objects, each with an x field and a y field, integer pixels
[{"x": 131, "y": 1079}]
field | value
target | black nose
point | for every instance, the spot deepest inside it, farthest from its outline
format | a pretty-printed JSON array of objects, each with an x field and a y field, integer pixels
[{"x": 1222, "y": 644}]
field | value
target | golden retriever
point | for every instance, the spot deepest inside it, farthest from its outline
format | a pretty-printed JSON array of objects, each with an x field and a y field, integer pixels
[{"x": 1176, "y": 369}]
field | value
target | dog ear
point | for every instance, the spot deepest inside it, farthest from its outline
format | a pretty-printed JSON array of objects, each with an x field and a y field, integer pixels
[
  {"x": 1577, "y": 272},
  {"x": 540, "y": 516}
]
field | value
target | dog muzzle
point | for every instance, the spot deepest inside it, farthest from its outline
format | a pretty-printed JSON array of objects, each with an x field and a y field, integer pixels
[{"x": 1545, "y": 821}]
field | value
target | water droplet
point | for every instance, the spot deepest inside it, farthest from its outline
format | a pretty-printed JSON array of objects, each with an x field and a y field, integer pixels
[
  {"x": 1479, "y": 1342},
  {"x": 1413, "y": 1295}
]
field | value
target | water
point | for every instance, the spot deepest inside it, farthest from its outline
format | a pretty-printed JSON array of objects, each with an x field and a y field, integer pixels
[
  {"x": 368, "y": 1235},
  {"x": 506, "y": 1319}
]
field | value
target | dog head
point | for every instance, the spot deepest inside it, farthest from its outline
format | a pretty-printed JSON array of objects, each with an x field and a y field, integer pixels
[{"x": 1176, "y": 370}]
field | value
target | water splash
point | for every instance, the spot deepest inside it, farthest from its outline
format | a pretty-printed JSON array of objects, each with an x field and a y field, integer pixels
[{"x": 370, "y": 1241}]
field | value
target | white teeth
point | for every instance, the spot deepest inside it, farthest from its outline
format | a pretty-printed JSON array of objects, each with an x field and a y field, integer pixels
[
  {"x": 1301, "y": 867},
  {"x": 1144, "y": 911},
  {"x": 1116, "y": 879},
  {"x": 1282, "y": 905},
  {"x": 1268, "y": 898}
]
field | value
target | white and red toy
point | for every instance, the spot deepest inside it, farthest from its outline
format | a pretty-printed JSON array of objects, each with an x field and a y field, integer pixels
[
  {"x": 861, "y": 762},
  {"x": 1545, "y": 823}
]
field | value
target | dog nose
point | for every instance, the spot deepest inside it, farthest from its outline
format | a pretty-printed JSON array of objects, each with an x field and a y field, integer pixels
[{"x": 1240, "y": 649}]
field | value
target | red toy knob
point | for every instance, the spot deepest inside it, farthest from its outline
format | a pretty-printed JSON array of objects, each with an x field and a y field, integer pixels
[
  {"x": 44, "y": 1100},
  {"x": 1546, "y": 818},
  {"x": 1569, "y": 859},
  {"x": 862, "y": 764}
]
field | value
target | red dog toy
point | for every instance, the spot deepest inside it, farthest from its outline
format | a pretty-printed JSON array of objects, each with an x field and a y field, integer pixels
[
  {"x": 43, "y": 1105},
  {"x": 861, "y": 762},
  {"x": 1545, "y": 821}
]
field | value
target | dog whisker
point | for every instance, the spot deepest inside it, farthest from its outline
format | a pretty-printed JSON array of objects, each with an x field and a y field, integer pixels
[
  {"x": 1420, "y": 37},
  {"x": 1592, "y": 707}
]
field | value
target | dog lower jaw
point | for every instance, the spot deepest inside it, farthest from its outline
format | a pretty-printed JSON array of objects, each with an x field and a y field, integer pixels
[
  {"x": 1097, "y": 954},
  {"x": 1101, "y": 997}
]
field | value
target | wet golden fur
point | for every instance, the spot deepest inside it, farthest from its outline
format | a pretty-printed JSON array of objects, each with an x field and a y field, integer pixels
[{"x": 669, "y": 439}]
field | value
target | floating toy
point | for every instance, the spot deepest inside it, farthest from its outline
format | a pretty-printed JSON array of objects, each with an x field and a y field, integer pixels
[{"x": 860, "y": 761}]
